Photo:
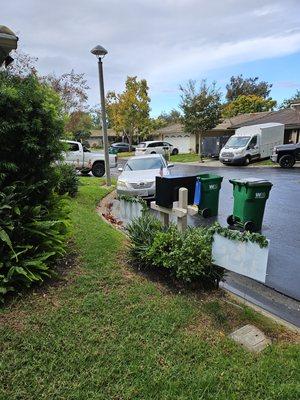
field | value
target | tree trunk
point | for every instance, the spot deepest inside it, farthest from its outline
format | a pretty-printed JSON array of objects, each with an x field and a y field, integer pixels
[
  {"x": 200, "y": 147},
  {"x": 130, "y": 141},
  {"x": 128, "y": 135}
]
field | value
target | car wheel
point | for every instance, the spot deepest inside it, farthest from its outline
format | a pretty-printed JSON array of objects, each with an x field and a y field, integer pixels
[
  {"x": 153, "y": 152},
  {"x": 98, "y": 169},
  {"x": 287, "y": 161},
  {"x": 174, "y": 152},
  {"x": 247, "y": 161}
]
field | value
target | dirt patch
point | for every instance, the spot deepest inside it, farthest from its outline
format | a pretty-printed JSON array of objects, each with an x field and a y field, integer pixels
[
  {"x": 104, "y": 210},
  {"x": 13, "y": 319}
]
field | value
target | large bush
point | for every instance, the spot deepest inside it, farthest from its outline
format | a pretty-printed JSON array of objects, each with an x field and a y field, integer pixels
[
  {"x": 32, "y": 224},
  {"x": 67, "y": 179},
  {"x": 187, "y": 255}
]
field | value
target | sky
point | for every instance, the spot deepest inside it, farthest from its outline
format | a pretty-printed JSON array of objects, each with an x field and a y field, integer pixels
[{"x": 167, "y": 42}]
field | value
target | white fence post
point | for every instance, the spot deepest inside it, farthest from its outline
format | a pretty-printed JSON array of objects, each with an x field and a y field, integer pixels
[{"x": 182, "y": 203}]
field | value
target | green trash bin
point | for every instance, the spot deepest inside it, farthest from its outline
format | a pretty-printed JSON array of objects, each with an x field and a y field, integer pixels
[
  {"x": 210, "y": 186},
  {"x": 250, "y": 196}
]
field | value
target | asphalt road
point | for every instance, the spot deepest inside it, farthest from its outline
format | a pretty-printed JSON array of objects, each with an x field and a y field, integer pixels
[{"x": 281, "y": 221}]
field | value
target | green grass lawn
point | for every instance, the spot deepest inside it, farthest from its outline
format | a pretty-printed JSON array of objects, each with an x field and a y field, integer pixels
[
  {"x": 266, "y": 162},
  {"x": 126, "y": 154},
  {"x": 107, "y": 332},
  {"x": 188, "y": 157},
  {"x": 120, "y": 155}
]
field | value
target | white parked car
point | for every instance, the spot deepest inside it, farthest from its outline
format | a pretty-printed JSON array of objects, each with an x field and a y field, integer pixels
[
  {"x": 84, "y": 160},
  {"x": 139, "y": 173},
  {"x": 154, "y": 147}
]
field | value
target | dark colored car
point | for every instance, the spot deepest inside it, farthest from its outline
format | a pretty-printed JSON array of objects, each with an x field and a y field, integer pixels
[
  {"x": 286, "y": 155},
  {"x": 121, "y": 147}
]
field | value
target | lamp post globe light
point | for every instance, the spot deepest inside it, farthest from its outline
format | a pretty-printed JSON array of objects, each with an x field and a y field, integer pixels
[{"x": 100, "y": 52}]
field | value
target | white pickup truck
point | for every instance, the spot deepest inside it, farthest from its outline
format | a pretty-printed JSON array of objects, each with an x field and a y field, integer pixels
[{"x": 84, "y": 160}]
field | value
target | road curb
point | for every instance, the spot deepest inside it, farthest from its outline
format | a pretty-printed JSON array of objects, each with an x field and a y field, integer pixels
[{"x": 260, "y": 310}]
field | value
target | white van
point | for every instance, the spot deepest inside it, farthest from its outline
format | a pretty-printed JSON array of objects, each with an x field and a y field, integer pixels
[{"x": 252, "y": 142}]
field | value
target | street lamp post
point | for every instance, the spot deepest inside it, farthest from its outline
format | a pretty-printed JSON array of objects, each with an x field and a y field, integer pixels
[{"x": 100, "y": 52}]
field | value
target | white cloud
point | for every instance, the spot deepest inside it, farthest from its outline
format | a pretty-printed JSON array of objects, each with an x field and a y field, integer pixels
[
  {"x": 166, "y": 42},
  {"x": 200, "y": 59}
]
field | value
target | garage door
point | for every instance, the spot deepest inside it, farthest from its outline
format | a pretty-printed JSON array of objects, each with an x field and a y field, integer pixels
[{"x": 181, "y": 142}]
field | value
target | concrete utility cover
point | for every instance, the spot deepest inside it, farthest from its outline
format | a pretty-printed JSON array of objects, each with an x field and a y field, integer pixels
[{"x": 251, "y": 338}]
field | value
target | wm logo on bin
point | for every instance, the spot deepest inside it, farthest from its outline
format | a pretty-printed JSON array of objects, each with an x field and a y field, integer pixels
[
  {"x": 213, "y": 187},
  {"x": 260, "y": 195}
]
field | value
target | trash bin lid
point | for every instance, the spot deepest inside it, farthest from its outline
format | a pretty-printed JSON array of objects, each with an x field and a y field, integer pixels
[{"x": 251, "y": 182}]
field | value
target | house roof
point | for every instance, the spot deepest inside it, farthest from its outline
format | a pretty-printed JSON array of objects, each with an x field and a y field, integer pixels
[
  {"x": 290, "y": 117},
  {"x": 230, "y": 123},
  {"x": 172, "y": 128},
  {"x": 226, "y": 124},
  {"x": 95, "y": 133}
]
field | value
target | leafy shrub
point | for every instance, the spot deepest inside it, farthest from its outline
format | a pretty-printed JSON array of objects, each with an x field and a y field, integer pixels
[
  {"x": 68, "y": 180},
  {"x": 188, "y": 254},
  {"x": 32, "y": 219},
  {"x": 142, "y": 231},
  {"x": 31, "y": 238}
]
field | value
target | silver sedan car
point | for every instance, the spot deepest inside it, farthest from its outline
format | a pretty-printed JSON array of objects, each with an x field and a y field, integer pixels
[{"x": 139, "y": 173}]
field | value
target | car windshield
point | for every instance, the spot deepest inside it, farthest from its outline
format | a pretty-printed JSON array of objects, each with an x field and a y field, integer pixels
[
  {"x": 141, "y": 145},
  {"x": 139, "y": 164},
  {"x": 237, "y": 141}
]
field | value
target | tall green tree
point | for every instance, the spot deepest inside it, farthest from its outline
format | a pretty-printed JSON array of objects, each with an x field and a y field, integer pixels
[
  {"x": 201, "y": 107},
  {"x": 247, "y": 104},
  {"x": 79, "y": 125},
  {"x": 72, "y": 89},
  {"x": 95, "y": 113},
  {"x": 287, "y": 102},
  {"x": 172, "y": 117},
  {"x": 239, "y": 86},
  {"x": 128, "y": 112}
]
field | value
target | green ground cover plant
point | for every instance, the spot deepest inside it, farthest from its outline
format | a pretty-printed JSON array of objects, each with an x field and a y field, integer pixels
[
  {"x": 107, "y": 332},
  {"x": 244, "y": 236}
]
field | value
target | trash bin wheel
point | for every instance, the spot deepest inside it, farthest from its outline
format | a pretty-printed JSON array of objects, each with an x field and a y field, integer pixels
[
  {"x": 249, "y": 226},
  {"x": 230, "y": 220},
  {"x": 206, "y": 212}
]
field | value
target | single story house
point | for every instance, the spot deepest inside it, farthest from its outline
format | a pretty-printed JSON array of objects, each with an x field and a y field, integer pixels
[
  {"x": 189, "y": 142},
  {"x": 216, "y": 138},
  {"x": 8, "y": 42},
  {"x": 96, "y": 138},
  {"x": 290, "y": 117}
]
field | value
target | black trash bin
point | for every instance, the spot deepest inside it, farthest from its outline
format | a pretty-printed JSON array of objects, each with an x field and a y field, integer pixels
[{"x": 167, "y": 189}]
